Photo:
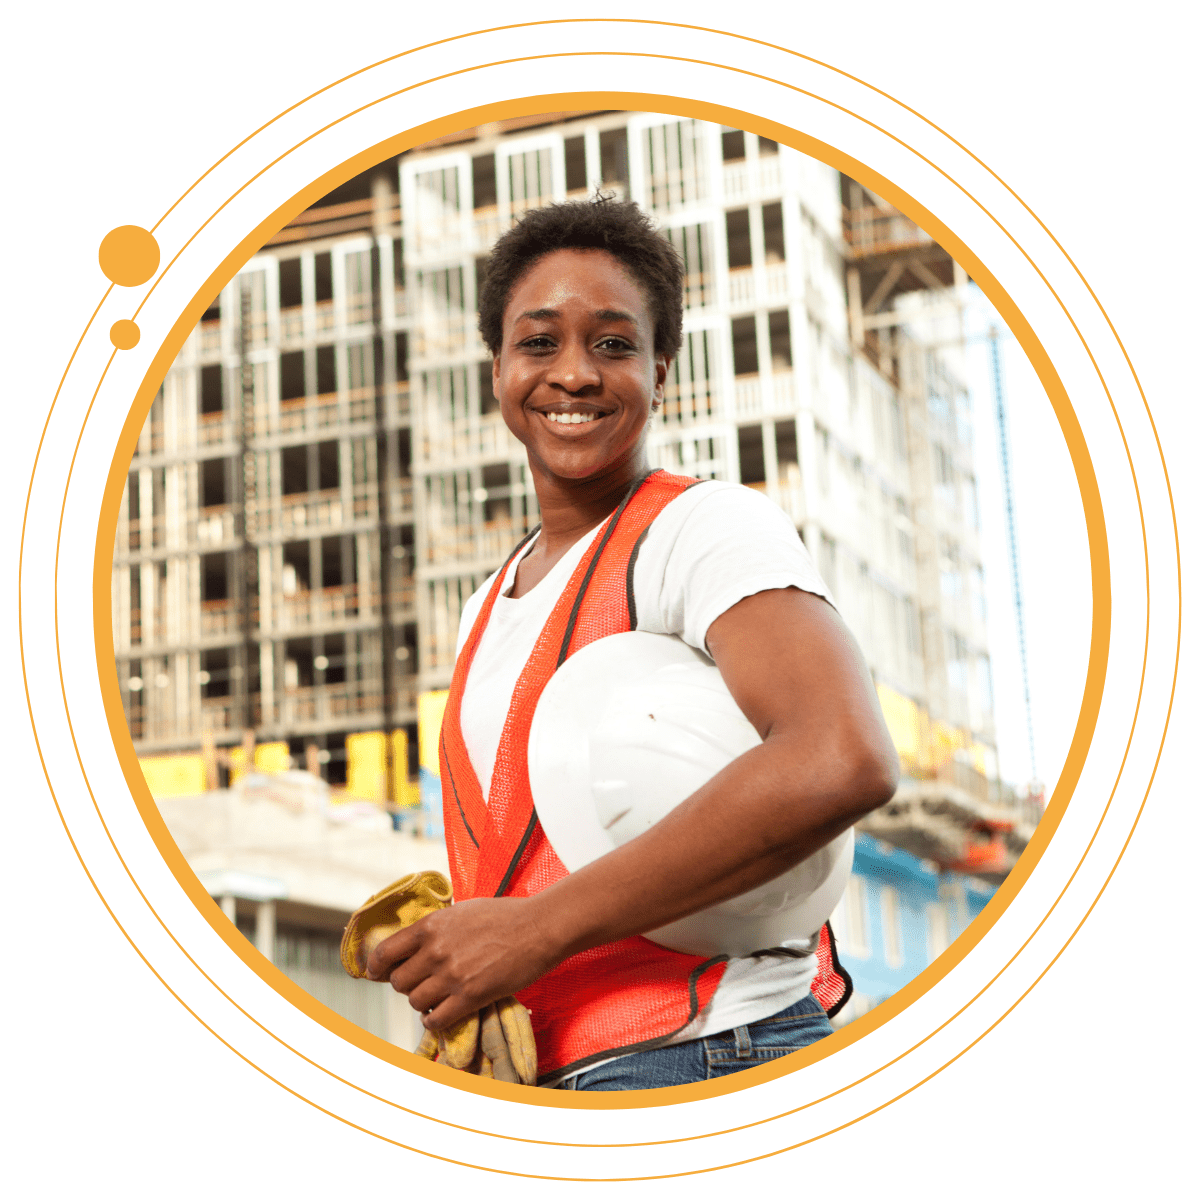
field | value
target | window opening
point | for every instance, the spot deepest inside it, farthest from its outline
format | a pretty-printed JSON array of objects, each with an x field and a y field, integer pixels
[
  {"x": 780, "y": 329},
  {"x": 773, "y": 246},
  {"x": 751, "y": 455},
  {"x": 214, "y": 577},
  {"x": 212, "y": 397},
  {"x": 291, "y": 375},
  {"x": 785, "y": 443},
  {"x": 575, "y": 156},
  {"x": 328, "y": 470},
  {"x": 326, "y": 370},
  {"x": 291, "y": 293},
  {"x": 745, "y": 346},
  {"x": 483, "y": 180},
  {"x": 614, "y": 156},
  {"x": 324, "y": 276},
  {"x": 294, "y": 469},
  {"x": 737, "y": 237}
]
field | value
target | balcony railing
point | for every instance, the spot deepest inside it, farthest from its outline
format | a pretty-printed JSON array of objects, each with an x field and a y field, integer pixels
[
  {"x": 337, "y": 605},
  {"x": 215, "y": 429},
  {"x": 212, "y": 526},
  {"x": 746, "y": 182},
  {"x": 759, "y": 396},
  {"x": 312, "y": 510},
  {"x": 209, "y": 337},
  {"x": 216, "y": 526},
  {"x": 224, "y": 713},
  {"x": 485, "y": 437},
  {"x": 291, "y": 324},
  {"x": 684, "y": 403},
  {"x": 487, "y": 225},
  {"x": 147, "y": 629},
  {"x": 758, "y": 285},
  {"x": 489, "y": 541},
  {"x": 879, "y": 230},
  {"x": 334, "y": 702},
  {"x": 358, "y": 602},
  {"x": 220, "y": 618},
  {"x": 442, "y": 333},
  {"x": 201, "y": 530},
  {"x": 282, "y": 711},
  {"x": 316, "y": 413},
  {"x": 360, "y": 309},
  {"x": 257, "y": 329}
]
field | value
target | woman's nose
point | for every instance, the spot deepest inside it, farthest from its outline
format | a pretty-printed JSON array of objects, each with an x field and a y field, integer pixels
[{"x": 573, "y": 368}]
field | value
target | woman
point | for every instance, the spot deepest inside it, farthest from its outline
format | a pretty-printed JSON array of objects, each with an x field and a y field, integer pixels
[{"x": 582, "y": 311}]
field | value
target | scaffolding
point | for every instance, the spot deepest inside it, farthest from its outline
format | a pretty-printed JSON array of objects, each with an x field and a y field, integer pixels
[{"x": 294, "y": 565}]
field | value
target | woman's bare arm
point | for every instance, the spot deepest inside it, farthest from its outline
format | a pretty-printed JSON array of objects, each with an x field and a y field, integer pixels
[{"x": 826, "y": 760}]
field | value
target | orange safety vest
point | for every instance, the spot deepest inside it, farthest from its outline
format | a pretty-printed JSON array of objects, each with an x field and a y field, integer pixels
[{"x": 624, "y": 996}]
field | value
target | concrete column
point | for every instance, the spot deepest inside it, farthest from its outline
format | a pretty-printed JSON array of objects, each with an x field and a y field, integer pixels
[
  {"x": 855, "y": 308},
  {"x": 770, "y": 455},
  {"x": 762, "y": 342},
  {"x": 264, "y": 929},
  {"x": 591, "y": 156},
  {"x": 229, "y": 908}
]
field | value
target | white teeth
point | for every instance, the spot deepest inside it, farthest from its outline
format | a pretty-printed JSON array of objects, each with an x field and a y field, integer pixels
[{"x": 571, "y": 418}]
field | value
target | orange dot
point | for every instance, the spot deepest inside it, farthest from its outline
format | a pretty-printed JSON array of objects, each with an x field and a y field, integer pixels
[
  {"x": 124, "y": 335},
  {"x": 129, "y": 255}
]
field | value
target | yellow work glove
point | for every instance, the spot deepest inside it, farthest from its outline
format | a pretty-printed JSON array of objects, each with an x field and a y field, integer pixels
[{"x": 498, "y": 1041}]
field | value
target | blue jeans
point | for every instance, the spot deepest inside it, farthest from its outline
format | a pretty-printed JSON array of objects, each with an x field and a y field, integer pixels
[{"x": 712, "y": 1057}]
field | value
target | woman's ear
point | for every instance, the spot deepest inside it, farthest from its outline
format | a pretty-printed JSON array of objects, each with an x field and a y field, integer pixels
[
  {"x": 662, "y": 364},
  {"x": 496, "y": 376}
]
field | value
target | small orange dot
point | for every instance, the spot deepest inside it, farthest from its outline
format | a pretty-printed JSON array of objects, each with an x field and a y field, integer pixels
[
  {"x": 129, "y": 255},
  {"x": 124, "y": 335}
]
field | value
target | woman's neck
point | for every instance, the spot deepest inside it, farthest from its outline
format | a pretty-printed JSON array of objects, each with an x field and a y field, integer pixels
[{"x": 570, "y": 507}]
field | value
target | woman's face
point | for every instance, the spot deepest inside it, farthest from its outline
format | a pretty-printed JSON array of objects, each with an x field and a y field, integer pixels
[{"x": 577, "y": 374}]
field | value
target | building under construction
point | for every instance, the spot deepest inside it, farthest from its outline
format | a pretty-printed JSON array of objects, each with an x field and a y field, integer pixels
[{"x": 325, "y": 476}]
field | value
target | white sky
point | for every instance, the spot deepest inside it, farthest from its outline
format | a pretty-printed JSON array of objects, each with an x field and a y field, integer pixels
[{"x": 1052, "y": 555}]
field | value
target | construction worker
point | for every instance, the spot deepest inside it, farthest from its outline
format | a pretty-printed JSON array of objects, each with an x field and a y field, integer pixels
[{"x": 581, "y": 309}]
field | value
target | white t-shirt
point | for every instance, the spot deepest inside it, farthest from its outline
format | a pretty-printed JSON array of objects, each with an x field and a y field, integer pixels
[{"x": 710, "y": 547}]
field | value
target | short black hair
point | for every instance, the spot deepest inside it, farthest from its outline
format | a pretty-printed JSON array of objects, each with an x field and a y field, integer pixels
[{"x": 601, "y": 223}]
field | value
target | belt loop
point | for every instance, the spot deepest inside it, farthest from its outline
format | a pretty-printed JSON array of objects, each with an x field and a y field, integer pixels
[{"x": 743, "y": 1047}]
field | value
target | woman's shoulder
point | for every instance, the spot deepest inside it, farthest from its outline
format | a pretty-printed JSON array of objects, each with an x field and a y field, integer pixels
[
  {"x": 732, "y": 506},
  {"x": 713, "y": 545}
]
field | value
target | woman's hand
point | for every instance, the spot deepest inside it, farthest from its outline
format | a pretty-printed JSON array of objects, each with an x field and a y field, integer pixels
[{"x": 454, "y": 962}]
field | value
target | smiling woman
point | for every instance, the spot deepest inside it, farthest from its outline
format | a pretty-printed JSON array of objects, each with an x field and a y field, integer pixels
[
  {"x": 577, "y": 375},
  {"x": 581, "y": 310}
]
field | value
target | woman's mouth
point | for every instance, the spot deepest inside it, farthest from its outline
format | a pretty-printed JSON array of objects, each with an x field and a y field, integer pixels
[{"x": 571, "y": 418}]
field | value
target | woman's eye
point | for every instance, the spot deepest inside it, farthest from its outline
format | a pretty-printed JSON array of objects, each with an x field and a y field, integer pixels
[
  {"x": 615, "y": 345},
  {"x": 538, "y": 342}
]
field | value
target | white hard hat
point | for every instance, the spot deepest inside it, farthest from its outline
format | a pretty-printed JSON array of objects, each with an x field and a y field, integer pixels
[{"x": 626, "y": 729}]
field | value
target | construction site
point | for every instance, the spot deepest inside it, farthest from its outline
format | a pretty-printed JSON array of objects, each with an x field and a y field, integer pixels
[{"x": 325, "y": 478}]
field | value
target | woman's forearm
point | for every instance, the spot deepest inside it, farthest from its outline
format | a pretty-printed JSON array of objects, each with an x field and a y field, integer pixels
[{"x": 764, "y": 813}]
